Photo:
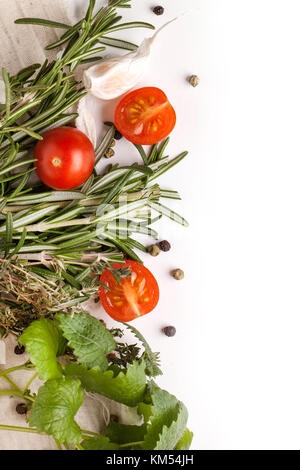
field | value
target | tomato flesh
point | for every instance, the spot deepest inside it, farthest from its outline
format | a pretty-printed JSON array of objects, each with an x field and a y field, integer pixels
[
  {"x": 65, "y": 158},
  {"x": 136, "y": 295},
  {"x": 145, "y": 116}
]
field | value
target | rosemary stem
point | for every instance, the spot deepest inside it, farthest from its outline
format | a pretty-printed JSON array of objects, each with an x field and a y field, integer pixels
[
  {"x": 43, "y": 227},
  {"x": 90, "y": 201}
]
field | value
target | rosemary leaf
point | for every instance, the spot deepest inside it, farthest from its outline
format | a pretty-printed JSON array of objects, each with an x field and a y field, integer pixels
[{"x": 41, "y": 22}]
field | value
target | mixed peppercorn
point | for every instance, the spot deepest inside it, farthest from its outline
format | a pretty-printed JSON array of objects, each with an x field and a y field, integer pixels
[{"x": 159, "y": 10}]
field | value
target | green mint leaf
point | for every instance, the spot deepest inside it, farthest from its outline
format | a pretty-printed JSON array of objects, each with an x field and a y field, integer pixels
[
  {"x": 55, "y": 407},
  {"x": 126, "y": 387},
  {"x": 44, "y": 342},
  {"x": 185, "y": 441},
  {"x": 88, "y": 337},
  {"x": 168, "y": 419},
  {"x": 123, "y": 434},
  {"x": 99, "y": 443}
]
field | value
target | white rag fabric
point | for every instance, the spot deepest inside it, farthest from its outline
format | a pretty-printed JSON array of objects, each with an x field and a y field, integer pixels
[{"x": 23, "y": 45}]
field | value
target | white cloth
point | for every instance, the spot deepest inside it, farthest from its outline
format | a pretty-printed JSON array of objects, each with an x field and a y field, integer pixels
[{"x": 23, "y": 45}]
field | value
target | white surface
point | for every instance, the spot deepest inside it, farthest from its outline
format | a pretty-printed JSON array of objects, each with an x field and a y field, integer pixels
[{"x": 235, "y": 359}]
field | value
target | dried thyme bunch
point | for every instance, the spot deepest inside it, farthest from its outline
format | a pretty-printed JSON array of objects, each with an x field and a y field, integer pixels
[{"x": 26, "y": 296}]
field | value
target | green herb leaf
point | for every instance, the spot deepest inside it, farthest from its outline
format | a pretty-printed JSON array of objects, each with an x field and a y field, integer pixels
[
  {"x": 127, "y": 387},
  {"x": 168, "y": 418},
  {"x": 44, "y": 342},
  {"x": 120, "y": 44},
  {"x": 123, "y": 434},
  {"x": 55, "y": 407},
  {"x": 185, "y": 441},
  {"x": 99, "y": 443},
  {"x": 88, "y": 337},
  {"x": 42, "y": 22}
]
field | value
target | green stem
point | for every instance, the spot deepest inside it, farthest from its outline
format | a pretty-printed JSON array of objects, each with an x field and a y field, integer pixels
[
  {"x": 15, "y": 386},
  {"x": 129, "y": 444},
  {"x": 79, "y": 447},
  {"x": 30, "y": 382},
  {"x": 16, "y": 393},
  {"x": 90, "y": 433},
  {"x": 4, "y": 427},
  {"x": 12, "y": 369},
  {"x": 58, "y": 444}
]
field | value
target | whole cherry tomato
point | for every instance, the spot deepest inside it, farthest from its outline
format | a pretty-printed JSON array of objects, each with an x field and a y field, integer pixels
[{"x": 65, "y": 158}]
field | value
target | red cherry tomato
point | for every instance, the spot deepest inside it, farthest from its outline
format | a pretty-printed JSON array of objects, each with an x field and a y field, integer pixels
[
  {"x": 145, "y": 116},
  {"x": 136, "y": 295},
  {"x": 65, "y": 158}
]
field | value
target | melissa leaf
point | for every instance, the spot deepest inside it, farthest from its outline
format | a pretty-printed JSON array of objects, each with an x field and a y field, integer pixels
[
  {"x": 43, "y": 340},
  {"x": 88, "y": 338},
  {"x": 99, "y": 443},
  {"x": 123, "y": 434},
  {"x": 168, "y": 419},
  {"x": 185, "y": 441},
  {"x": 55, "y": 407},
  {"x": 126, "y": 387}
]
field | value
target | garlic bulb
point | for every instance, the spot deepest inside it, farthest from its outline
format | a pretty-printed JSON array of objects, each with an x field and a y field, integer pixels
[{"x": 112, "y": 78}]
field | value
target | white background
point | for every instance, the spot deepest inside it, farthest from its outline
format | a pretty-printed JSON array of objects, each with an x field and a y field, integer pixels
[{"x": 235, "y": 359}]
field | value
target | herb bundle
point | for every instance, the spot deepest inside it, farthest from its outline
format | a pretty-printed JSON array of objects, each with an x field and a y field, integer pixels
[
  {"x": 55, "y": 244},
  {"x": 86, "y": 346},
  {"x": 55, "y": 241}
]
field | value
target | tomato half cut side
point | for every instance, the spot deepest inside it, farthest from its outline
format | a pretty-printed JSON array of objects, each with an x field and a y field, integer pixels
[
  {"x": 136, "y": 295},
  {"x": 145, "y": 116}
]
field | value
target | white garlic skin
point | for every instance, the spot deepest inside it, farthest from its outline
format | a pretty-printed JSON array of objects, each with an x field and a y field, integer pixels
[{"x": 112, "y": 78}]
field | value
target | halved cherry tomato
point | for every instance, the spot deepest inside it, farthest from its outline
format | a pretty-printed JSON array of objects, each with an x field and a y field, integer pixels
[
  {"x": 145, "y": 116},
  {"x": 136, "y": 295},
  {"x": 65, "y": 158}
]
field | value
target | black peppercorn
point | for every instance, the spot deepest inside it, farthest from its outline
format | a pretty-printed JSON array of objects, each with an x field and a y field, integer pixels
[
  {"x": 164, "y": 245},
  {"x": 21, "y": 409},
  {"x": 169, "y": 331},
  {"x": 118, "y": 135},
  {"x": 19, "y": 349},
  {"x": 159, "y": 10}
]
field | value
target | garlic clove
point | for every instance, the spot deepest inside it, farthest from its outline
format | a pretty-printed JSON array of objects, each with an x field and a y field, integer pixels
[
  {"x": 113, "y": 77},
  {"x": 86, "y": 121}
]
